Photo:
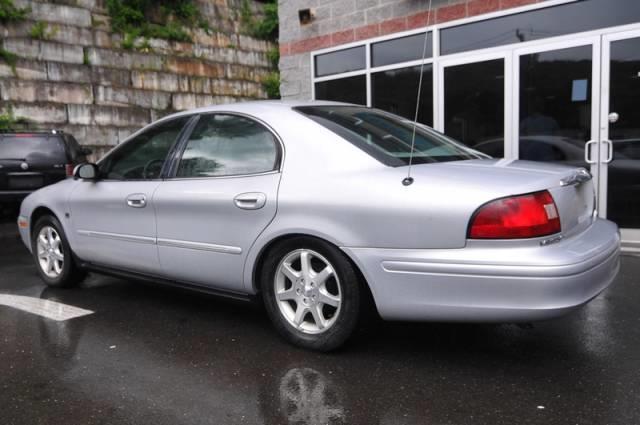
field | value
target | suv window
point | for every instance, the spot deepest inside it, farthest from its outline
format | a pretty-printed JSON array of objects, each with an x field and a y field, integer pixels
[
  {"x": 143, "y": 157},
  {"x": 227, "y": 145},
  {"x": 75, "y": 151},
  {"x": 387, "y": 137},
  {"x": 36, "y": 148}
]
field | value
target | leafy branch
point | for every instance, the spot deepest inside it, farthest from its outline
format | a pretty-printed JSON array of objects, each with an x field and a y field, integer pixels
[{"x": 10, "y": 13}]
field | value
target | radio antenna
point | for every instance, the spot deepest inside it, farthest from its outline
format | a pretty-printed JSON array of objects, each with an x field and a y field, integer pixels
[{"x": 407, "y": 181}]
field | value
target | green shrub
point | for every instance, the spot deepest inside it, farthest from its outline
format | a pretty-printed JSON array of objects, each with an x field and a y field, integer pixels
[
  {"x": 10, "y": 59},
  {"x": 39, "y": 30},
  {"x": 9, "y": 121},
  {"x": 128, "y": 40},
  {"x": 85, "y": 57},
  {"x": 265, "y": 28},
  {"x": 273, "y": 55},
  {"x": 271, "y": 84},
  {"x": 132, "y": 18},
  {"x": 6, "y": 121},
  {"x": 10, "y": 13}
]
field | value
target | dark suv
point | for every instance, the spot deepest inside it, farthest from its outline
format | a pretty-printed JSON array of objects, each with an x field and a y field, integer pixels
[{"x": 29, "y": 161}]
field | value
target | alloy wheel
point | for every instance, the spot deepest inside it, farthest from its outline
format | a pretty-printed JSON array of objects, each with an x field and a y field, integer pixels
[
  {"x": 50, "y": 254},
  {"x": 307, "y": 291}
]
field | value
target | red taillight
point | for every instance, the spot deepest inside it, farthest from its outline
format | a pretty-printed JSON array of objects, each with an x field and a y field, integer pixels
[
  {"x": 524, "y": 216},
  {"x": 68, "y": 168}
]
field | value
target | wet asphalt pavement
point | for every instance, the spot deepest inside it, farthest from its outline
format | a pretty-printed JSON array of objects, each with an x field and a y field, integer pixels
[{"x": 159, "y": 356}]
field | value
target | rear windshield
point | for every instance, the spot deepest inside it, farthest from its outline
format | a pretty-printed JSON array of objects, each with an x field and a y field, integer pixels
[
  {"x": 387, "y": 137},
  {"x": 34, "y": 148}
]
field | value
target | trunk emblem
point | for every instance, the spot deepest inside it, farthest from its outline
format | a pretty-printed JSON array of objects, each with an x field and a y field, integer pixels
[
  {"x": 578, "y": 177},
  {"x": 552, "y": 240},
  {"x": 24, "y": 166}
]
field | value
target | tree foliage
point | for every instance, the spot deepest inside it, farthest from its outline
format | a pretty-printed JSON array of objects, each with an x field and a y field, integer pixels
[
  {"x": 265, "y": 27},
  {"x": 10, "y": 13},
  {"x": 166, "y": 19}
]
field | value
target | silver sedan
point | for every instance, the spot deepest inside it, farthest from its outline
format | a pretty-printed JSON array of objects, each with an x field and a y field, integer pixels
[{"x": 308, "y": 207}]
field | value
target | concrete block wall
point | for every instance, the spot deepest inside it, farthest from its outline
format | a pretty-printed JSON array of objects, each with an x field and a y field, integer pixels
[
  {"x": 339, "y": 22},
  {"x": 80, "y": 80}
]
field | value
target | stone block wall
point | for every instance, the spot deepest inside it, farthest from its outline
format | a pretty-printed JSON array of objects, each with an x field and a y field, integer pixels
[{"x": 79, "y": 79}]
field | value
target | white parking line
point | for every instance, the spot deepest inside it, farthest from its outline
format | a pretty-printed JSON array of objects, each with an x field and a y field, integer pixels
[{"x": 45, "y": 308}]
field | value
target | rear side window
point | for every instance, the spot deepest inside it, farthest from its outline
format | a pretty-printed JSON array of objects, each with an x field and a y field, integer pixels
[
  {"x": 387, "y": 137},
  {"x": 33, "y": 148},
  {"x": 228, "y": 145}
]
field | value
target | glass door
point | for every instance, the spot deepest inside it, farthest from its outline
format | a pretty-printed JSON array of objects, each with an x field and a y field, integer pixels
[
  {"x": 556, "y": 96},
  {"x": 472, "y": 102},
  {"x": 620, "y": 134}
]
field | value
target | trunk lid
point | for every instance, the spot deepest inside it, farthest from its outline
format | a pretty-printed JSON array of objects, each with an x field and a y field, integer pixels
[{"x": 572, "y": 188}]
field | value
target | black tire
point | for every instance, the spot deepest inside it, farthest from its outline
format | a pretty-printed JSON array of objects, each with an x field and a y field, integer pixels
[
  {"x": 70, "y": 274},
  {"x": 348, "y": 314}
]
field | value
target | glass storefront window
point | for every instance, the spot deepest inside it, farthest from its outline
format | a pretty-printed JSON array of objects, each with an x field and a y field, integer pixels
[
  {"x": 396, "y": 91},
  {"x": 583, "y": 15},
  {"x": 340, "y": 61},
  {"x": 555, "y": 105},
  {"x": 402, "y": 49},
  {"x": 349, "y": 90},
  {"x": 623, "y": 200},
  {"x": 474, "y": 105}
]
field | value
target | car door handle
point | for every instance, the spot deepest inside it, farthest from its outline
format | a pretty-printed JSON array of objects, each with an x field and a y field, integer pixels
[
  {"x": 137, "y": 200},
  {"x": 250, "y": 200}
]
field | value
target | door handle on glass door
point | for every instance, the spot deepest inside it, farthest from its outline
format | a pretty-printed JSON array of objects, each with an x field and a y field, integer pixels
[
  {"x": 587, "y": 152},
  {"x": 609, "y": 145},
  {"x": 137, "y": 200},
  {"x": 250, "y": 200}
]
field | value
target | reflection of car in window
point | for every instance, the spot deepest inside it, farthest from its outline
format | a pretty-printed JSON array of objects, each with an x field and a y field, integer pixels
[
  {"x": 626, "y": 149},
  {"x": 227, "y": 145},
  {"x": 541, "y": 148}
]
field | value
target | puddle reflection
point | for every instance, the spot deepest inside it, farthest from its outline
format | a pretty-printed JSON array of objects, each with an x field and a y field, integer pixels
[{"x": 309, "y": 397}]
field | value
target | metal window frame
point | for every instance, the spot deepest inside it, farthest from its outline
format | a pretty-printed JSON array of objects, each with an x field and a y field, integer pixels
[{"x": 434, "y": 59}]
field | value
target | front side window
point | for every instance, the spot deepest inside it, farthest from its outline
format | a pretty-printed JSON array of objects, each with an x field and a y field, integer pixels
[
  {"x": 387, "y": 137},
  {"x": 228, "y": 145},
  {"x": 143, "y": 157}
]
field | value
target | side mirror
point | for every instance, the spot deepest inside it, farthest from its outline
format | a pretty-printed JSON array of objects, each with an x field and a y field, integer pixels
[{"x": 86, "y": 172}]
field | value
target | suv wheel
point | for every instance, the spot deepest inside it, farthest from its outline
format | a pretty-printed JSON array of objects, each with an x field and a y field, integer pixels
[
  {"x": 52, "y": 254},
  {"x": 311, "y": 293}
]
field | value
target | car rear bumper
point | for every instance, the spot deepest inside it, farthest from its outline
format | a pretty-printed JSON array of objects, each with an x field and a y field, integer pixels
[{"x": 499, "y": 282}]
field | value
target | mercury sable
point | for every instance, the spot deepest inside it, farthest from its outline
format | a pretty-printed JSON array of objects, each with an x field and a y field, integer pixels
[{"x": 308, "y": 207}]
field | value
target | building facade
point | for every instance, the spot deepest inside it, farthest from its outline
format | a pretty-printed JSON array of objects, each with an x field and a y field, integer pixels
[{"x": 554, "y": 81}]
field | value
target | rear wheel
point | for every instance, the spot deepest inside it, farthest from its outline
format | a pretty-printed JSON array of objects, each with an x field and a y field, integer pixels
[
  {"x": 52, "y": 254},
  {"x": 311, "y": 293}
]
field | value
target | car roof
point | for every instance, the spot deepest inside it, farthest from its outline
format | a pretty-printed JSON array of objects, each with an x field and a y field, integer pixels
[{"x": 255, "y": 107}]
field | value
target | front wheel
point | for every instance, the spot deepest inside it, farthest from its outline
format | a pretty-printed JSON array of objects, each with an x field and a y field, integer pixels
[
  {"x": 52, "y": 254},
  {"x": 311, "y": 293}
]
